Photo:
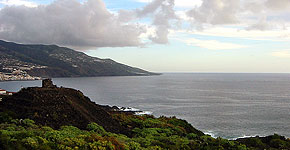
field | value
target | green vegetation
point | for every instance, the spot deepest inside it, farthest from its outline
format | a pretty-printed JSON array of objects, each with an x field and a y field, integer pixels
[
  {"x": 147, "y": 133},
  {"x": 171, "y": 133}
]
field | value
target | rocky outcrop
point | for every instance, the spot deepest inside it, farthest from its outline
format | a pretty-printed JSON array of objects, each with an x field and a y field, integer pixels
[{"x": 56, "y": 107}]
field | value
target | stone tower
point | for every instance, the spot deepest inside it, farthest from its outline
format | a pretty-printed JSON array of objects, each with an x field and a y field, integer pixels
[{"x": 47, "y": 83}]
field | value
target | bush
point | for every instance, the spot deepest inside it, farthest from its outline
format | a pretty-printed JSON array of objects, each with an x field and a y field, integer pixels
[
  {"x": 93, "y": 127},
  {"x": 191, "y": 136},
  {"x": 28, "y": 123},
  {"x": 5, "y": 117},
  {"x": 278, "y": 143},
  {"x": 30, "y": 143}
]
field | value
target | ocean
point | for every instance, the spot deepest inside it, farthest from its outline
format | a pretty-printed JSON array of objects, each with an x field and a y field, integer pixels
[{"x": 228, "y": 105}]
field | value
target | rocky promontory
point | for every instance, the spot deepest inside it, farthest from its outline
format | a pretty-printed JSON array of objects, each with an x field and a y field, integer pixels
[{"x": 55, "y": 107}]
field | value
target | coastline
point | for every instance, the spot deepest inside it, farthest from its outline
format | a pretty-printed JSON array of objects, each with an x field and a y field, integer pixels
[
  {"x": 115, "y": 88},
  {"x": 76, "y": 117},
  {"x": 41, "y": 78},
  {"x": 136, "y": 111},
  {"x": 20, "y": 80}
]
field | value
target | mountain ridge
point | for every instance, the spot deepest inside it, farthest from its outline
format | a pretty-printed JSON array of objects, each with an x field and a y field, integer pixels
[{"x": 55, "y": 61}]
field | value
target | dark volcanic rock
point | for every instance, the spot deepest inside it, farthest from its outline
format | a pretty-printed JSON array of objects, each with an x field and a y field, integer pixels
[{"x": 56, "y": 107}]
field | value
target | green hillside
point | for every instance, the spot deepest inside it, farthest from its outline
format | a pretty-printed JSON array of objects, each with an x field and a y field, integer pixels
[{"x": 55, "y": 61}]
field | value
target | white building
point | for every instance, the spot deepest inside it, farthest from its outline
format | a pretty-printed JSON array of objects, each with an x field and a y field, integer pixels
[{"x": 2, "y": 92}]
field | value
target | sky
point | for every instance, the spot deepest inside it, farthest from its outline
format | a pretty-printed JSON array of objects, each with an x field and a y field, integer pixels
[{"x": 249, "y": 36}]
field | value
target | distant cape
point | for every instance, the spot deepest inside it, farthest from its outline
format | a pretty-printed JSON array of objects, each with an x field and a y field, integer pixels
[{"x": 55, "y": 61}]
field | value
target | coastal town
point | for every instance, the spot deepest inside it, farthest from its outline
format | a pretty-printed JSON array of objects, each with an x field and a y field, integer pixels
[
  {"x": 16, "y": 75},
  {"x": 12, "y": 69}
]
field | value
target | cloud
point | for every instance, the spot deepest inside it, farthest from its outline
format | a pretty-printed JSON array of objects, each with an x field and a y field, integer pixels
[
  {"x": 267, "y": 35},
  {"x": 162, "y": 13},
  {"x": 181, "y": 3},
  {"x": 262, "y": 25},
  {"x": 281, "y": 54},
  {"x": 68, "y": 23},
  {"x": 149, "y": 8},
  {"x": 85, "y": 25},
  {"x": 216, "y": 12},
  {"x": 213, "y": 44},
  {"x": 162, "y": 22},
  {"x": 278, "y": 4},
  {"x": 252, "y": 14},
  {"x": 89, "y": 24},
  {"x": 18, "y": 3}
]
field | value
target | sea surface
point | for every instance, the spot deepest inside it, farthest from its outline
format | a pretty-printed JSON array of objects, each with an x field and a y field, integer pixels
[{"x": 220, "y": 104}]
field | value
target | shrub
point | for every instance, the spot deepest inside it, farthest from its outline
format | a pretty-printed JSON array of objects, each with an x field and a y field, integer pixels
[
  {"x": 30, "y": 143},
  {"x": 28, "y": 123},
  {"x": 278, "y": 143},
  {"x": 5, "y": 117},
  {"x": 94, "y": 127}
]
